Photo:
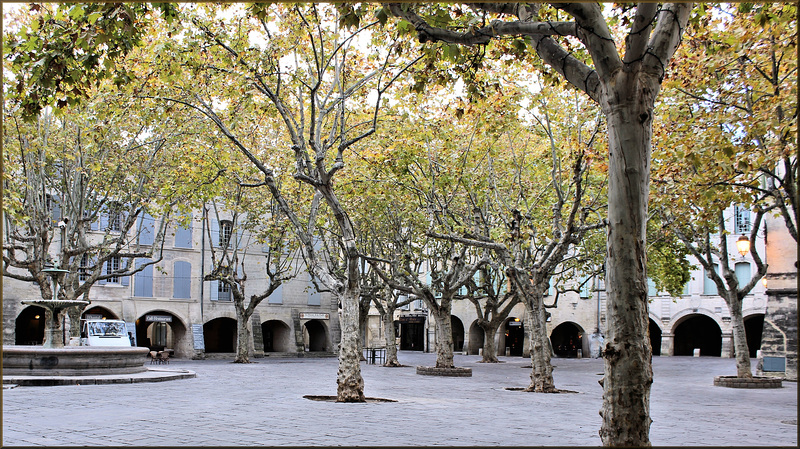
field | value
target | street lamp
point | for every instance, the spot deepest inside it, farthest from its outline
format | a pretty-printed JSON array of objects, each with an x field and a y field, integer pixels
[{"x": 743, "y": 245}]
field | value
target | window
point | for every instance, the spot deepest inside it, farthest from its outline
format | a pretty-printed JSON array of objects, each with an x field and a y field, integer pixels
[
  {"x": 742, "y": 270},
  {"x": 146, "y": 229},
  {"x": 651, "y": 288},
  {"x": 183, "y": 236},
  {"x": 313, "y": 295},
  {"x": 82, "y": 274},
  {"x": 143, "y": 280},
  {"x": 225, "y": 232},
  {"x": 223, "y": 291},
  {"x": 709, "y": 287},
  {"x": 586, "y": 287},
  {"x": 114, "y": 218},
  {"x": 182, "y": 280},
  {"x": 741, "y": 223},
  {"x": 113, "y": 265},
  {"x": 277, "y": 296}
]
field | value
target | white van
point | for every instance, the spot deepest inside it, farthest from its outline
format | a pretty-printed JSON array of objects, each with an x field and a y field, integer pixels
[{"x": 104, "y": 333}]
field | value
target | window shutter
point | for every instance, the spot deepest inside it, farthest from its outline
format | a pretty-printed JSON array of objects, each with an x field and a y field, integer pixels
[
  {"x": 277, "y": 296},
  {"x": 214, "y": 232},
  {"x": 125, "y": 280},
  {"x": 183, "y": 236},
  {"x": 103, "y": 271},
  {"x": 181, "y": 284},
  {"x": 143, "y": 280},
  {"x": 56, "y": 208},
  {"x": 146, "y": 229},
  {"x": 709, "y": 287},
  {"x": 214, "y": 287},
  {"x": 314, "y": 296},
  {"x": 742, "y": 273},
  {"x": 651, "y": 288}
]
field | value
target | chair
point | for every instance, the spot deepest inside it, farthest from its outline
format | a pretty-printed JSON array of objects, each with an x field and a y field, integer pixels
[
  {"x": 154, "y": 357},
  {"x": 163, "y": 357}
]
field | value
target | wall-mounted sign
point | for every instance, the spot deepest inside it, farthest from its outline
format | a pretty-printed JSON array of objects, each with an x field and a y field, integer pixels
[
  {"x": 158, "y": 318},
  {"x": 93, "y": 316},
  {"x": 314, "y": 316},
  {"x": 197, "y": 337},
  {"x": 412, "y": 319},
  {"x": 515, "y": 323}
]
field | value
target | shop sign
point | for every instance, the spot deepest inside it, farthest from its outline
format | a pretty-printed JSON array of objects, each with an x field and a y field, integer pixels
[
  {"x": 515, "y": 323},
  {"x": 158, "y": 318},
  {"x": 314, "y": 316},
  {"x": 93, "y": 316},
  {"x": 412, "y": 319}
]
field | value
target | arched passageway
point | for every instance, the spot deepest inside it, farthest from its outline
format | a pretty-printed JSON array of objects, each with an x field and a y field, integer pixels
[
  {"x": 567, "y": 339},
  {"x": 655, "y": 337},
  {"x": 753, "y": 326},
  {"x": 99, "y": 313},
  {"x": 315, "y": 336},
  {"x": 698, "y": 332},
  {"x": 412, "y": 332},
  {"x": 457, "y": 328},
  {"x": 277, "y": 336},
  {"x": 220, "y": 335},
  {"x": 512, "y": 337},
  {"x": 476, "y": 338},
  {"x": 29, "y": 326},
  {"x": 159, "y": 330}
]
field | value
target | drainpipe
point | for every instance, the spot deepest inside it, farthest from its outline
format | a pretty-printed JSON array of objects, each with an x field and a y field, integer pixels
[{"x": 202, "y": 259}]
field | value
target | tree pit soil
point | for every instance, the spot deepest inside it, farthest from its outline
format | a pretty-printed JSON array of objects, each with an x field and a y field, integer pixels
[
  {"x": 523, "y": 390},
  {"x": 333, "y": 399}
]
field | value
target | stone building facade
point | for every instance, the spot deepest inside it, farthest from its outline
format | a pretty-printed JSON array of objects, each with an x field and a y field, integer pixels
[{"x": 168, "y": 305}]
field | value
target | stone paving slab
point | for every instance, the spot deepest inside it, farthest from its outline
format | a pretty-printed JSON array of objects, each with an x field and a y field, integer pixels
[{"x": 262, "y": 404}]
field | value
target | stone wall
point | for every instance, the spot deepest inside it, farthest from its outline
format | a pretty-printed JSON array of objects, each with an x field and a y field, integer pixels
[{"x": 779, "y": 338}]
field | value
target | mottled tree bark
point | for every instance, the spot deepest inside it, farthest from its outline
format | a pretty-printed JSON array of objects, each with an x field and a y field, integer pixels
[
  {"x": 489, "y": 342},
  {"x": 444, "y": 333}
]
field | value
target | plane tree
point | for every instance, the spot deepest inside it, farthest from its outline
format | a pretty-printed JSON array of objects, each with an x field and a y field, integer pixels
[
  {"x": 290, "y": 62},
  {"x": 623, "y": 75}
]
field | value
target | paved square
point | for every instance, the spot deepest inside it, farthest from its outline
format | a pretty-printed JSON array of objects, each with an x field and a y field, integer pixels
[{"x": 262, "y": 404}]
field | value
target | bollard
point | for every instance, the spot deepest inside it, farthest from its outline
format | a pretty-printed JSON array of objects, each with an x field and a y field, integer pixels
[
  {"x": 697, "y": 352},
  {"x": 580, "y": 353},
  {"x": 508, "y": 351}
]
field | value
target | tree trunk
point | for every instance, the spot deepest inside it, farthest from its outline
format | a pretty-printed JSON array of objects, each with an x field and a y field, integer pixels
[
  {"x": 350, "y": 384},
  {"x": 627, "y": 355},
  {"x": 541, "y": 366},
  {"x": 444, "y": 334},
  {"x": 489, "y": 342},
  {"x": 390, "y": 337},
  {"x": 243, "y": 347},
  {"x": 743, "y": 368}
]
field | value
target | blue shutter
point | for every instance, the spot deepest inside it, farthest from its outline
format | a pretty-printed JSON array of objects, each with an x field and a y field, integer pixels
[
  {"x": 742, "y": 273},
  {"x": 146, "y": 229},
  {"x": 709, "y": 287},
  {"x": 183, "y": 236},
  {"x": 103, "y": 271},
  {"x": 125, "y": 280},
  {"x": 143, "y": 280},
  {"x": 651, "y": 288},
  {"x": 103, "y": 221},
  {"x": 214, "y": 287},
  {"x": 182, "y": 281},
  {"x": 214, "y": 232},
  {"x": 314, "y": 296},
  {"x": 56, "y": 208},
  {"x": 277, "y": 296}
]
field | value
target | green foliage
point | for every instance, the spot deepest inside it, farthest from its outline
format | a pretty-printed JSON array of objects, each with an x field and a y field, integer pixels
[{"x": 667, "y": 259}]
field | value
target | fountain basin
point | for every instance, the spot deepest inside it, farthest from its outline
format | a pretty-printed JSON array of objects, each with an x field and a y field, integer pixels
[{"x": 72, "y": 360}]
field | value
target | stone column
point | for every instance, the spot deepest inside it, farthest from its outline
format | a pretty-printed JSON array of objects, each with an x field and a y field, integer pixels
[
  {"x": 727, "y": 345},
  {"x": 667, "y": 344}
]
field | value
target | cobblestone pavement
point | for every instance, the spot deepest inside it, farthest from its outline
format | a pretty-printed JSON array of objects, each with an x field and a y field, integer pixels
[{"x": 262, "y": 404}]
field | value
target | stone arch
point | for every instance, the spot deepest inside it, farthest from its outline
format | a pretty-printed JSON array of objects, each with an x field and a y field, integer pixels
[
  {"x": 29, "y": 326},
  {"x": 315, "y": 336},
  {"x": 566, "y": 339},
  {"x": 104, "y": 313},
  {"x": 654, "y": 331},
  {"x": 220, "y": 335},
  {"x": 753, "y": 328},
  {"x": 684, "y": 314},
  {"x": 277, "y": 336},
  {"x": 457, "y": 328},
  {"x": 512, "y": 337},
  {"x": 159, "y": 329},
  {"x": 697, "y": 331},
  {"x": 476, "y": 338}
]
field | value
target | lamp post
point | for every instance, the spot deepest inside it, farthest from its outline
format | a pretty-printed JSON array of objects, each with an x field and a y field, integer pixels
[{"x": 743, "y": 245}]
